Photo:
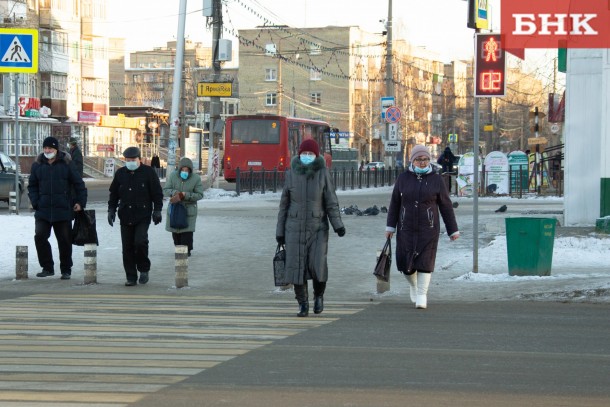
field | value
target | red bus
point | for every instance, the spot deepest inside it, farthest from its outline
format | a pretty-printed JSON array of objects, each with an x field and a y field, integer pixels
[{"x": 269, "y": 142}]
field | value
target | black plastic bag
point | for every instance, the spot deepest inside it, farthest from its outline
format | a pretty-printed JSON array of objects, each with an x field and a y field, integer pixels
[
  {"x": 384, "y": 262},
  {"x": 84, "y": 230},
  {"x": 178, "y": 218},
  {"x": 279, "y": 266}
]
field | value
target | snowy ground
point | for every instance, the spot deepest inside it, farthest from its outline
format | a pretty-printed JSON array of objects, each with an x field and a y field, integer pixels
[{"x": 238, "y": 234}]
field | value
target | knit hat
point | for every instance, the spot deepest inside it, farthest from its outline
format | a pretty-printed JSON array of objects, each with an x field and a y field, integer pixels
[
  {"x": 51, "y": 142},
  {"x": 419, "y": 150},
  {"x": 309, "y": 145},
  {"x": 131, "y": 152},
  {"x": 73, "y": 140}
]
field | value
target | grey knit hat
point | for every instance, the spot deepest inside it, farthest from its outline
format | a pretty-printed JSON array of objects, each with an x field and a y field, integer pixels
[{"x": 419, "y": 150}]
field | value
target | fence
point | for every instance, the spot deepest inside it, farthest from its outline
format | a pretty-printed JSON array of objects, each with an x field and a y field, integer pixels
[{"x": 251, "y": 181}]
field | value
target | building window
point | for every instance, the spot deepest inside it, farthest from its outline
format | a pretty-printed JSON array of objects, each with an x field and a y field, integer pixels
[
  {"x": 314, "y": 74},
  {"x": 271, "y": 74},
  {"x": 315, "y": 49},
  {"x": 270, "y": 49},
  {"x": 271, "y": 99},
  {"x": 316, "y": 98}
]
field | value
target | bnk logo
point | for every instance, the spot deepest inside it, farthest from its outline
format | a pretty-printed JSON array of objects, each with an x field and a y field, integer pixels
[{"x": 556, "y": 23}]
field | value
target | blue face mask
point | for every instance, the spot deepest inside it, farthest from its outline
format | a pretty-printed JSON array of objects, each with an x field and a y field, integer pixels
[
  {"x": 184, "y": 174},
  {"x": 132, "y": 165},
  {"x": 307, "y": 159},
  {"x": 419, "y": 170}
]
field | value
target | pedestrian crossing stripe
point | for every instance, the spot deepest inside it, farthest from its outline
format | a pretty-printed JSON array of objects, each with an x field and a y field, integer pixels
[
  {"x": 113, "y": 350},
  {"x": 18, "y": 50}
]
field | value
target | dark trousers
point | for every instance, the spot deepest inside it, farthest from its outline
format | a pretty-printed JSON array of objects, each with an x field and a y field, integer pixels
[
  {"x": 135, "y": 249},
  {"x": 63, "y": 233},
  {"x": 183, "y": 239},
  {"x": 301, "y": 294}
]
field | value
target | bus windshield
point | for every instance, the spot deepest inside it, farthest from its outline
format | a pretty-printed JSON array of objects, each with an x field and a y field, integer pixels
[{"x": 255, "y": 132}]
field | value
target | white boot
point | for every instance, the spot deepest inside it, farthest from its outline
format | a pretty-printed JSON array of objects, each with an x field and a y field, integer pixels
[
  {"x": 423, "y": 281},
  {"x": 412, "y": 279}
]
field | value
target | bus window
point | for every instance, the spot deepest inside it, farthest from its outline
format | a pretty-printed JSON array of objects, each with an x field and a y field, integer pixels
[
  {"x": 255, "y": 131},
  {"x": 294, "y": 141}
]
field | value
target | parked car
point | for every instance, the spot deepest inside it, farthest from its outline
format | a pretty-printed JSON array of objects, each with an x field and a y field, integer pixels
[
  {"x": 374, "y": 165},
  {"x": 7, "y": 178},
  {"x": 454, "y": 167}
]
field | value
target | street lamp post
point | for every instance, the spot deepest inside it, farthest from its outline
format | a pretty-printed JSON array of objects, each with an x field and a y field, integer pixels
[{"x": 153, "y": 126}]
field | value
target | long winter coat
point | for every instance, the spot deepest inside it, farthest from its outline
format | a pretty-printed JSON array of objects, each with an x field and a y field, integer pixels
[
  {"x": 54, "y": 188},
  {"x": 414, "y": 212},
  {"x": 193, "y": 191},
  {"x": 136, "y": 194},
  {"x": 307, "y": 205}
]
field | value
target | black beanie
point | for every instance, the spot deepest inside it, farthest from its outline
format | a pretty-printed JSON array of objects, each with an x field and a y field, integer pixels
[{"x": 51, "y": 142}]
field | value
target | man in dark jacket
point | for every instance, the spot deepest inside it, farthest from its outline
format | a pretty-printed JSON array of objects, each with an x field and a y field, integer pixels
[
  {"x": 136, "y": 192},
  {"x": 56, "y": 190},
  {"x": 77, "y": 156},
  {"x": 446, "y": 160}
]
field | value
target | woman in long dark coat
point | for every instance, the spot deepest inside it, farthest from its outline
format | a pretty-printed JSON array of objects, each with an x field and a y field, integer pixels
[
  {"x": 307, "y": 205},
  {"x": 419, "y": 194}
]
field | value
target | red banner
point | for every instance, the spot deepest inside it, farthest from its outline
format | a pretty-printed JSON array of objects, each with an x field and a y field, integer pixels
[{"x": 556, "y": 23}]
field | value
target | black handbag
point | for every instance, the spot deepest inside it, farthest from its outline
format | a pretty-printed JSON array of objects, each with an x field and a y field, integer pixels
[
  {"x": 84, "y": 230},
  {"x": 178, "y": 218},
  {"x": 384, "y": 262},
  {"x": 279, "y": 266}
]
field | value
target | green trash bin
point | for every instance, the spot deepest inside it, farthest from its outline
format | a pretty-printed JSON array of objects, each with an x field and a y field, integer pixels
[{"x": 529, "y": 243}]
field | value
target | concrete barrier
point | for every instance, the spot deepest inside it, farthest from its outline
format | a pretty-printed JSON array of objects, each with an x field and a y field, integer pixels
[
  {"x": 21, "y": 263},
  {"x": 182, "y": 266},
  {"x": 12, "y": 202}
]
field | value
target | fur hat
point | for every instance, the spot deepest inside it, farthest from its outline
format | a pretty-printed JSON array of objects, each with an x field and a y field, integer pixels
[
  {"x": 309, "y": 145},
  {"x": 419, "y": 150},
  {"x": 131, "y": 152},
  {"x": 51, "y": 142}
]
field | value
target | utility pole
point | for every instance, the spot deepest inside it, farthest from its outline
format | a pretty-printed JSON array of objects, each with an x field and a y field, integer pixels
[
  {"x": 389, "y": 77},
  {"x": 216, "y": 125},
  {"x": 175, "y": 111}
]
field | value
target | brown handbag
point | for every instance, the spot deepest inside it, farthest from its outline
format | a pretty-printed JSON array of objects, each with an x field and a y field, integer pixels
[{"x": 384, "y": 262}]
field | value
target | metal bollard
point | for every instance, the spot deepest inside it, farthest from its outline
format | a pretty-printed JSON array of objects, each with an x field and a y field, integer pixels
[
  {"x": 382, "y": 286},
  {"x": 90, "y": 263},
  {"x": 21, "y": 263},
  {"x": 182, "y": 266}
]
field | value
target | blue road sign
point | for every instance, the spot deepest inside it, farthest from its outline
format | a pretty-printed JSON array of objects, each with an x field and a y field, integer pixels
[{"x": 18, "y": 50}]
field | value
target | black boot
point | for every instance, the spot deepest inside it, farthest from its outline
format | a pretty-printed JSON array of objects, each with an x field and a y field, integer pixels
[
  {"x": 318, "y": 304},
  {"x": 303, "y": 309}
]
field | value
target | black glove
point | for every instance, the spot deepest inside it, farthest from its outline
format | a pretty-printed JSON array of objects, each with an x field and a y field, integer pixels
[
  {"x": 280, "y": 240},
  {"x": 111, "y": 217},
  {"x": 156, "y": 217},
  {"x": 340, "y": 232}
]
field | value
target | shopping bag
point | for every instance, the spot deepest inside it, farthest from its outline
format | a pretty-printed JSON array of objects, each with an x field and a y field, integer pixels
[
  {"x": 279, "y": 266},
  {"x": 177, "y": 216},
  {"x": 84, "y": 230},
  {"x": 384, "y": 262}
]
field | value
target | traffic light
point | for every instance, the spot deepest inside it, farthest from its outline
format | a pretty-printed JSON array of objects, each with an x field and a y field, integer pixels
[{"x": 490, "y": 66}]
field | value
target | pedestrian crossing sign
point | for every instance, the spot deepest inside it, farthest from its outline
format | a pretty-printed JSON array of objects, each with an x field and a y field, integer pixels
[{"x": 18, "y": 50}]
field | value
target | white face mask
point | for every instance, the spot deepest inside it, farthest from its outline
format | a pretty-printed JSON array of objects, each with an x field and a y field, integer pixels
[
  {"x": 132, "y": 165},
  {"x": 50, "y": 156}
]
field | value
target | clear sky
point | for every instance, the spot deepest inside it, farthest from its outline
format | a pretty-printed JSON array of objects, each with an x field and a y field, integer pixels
[{"x": 440, "y": 25}]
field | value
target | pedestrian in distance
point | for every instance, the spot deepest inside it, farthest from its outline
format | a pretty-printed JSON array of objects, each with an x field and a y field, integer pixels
[
  {"x": 184, "y": 186},
  {"x": 136, "y": 193},
  {"x": 76, "y": 154},
  {"x": 419, "y": 195},
  {"x": 56, "y": 190},
  {"x": 307, "y": 205},
  {"x": 446, "y": 160}
]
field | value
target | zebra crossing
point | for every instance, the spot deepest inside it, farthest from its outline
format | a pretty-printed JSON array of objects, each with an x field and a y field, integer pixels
[{"x": 111, "y": 350}]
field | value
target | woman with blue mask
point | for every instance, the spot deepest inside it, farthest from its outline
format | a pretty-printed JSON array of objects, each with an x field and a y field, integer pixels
[
  {"x": 308, "y": 208},
  {"x": 419, "y": 195},
  {"x": 183, "y": 186}
]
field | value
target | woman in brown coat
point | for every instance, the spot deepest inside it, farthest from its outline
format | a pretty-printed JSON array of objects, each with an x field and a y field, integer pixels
[
  {"x": 419, "y": 194},
  {"x": 307, "y": 205}
]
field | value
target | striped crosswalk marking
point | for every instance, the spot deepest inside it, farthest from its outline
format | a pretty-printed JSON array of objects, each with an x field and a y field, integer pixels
[{"x": 112, "y": 350}]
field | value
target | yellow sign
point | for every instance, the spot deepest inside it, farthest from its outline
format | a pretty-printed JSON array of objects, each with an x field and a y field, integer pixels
[
  {"x": 537, "y": 140},
  {"x": 18, "y": 50},
  {"x": 215, "y": 89},
  {"x": 488, "y": 127}
]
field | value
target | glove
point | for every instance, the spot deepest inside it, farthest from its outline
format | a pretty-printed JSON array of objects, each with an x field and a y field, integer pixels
[
  {"x": 181, "y": 195},
  {"x": 156, "y": 217},
  {"x": 280, "y": 240},
  {"x": 340, "y": 232},
  {"x": 111, "y": 217},
  {"x": 175, "y": 198}
]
